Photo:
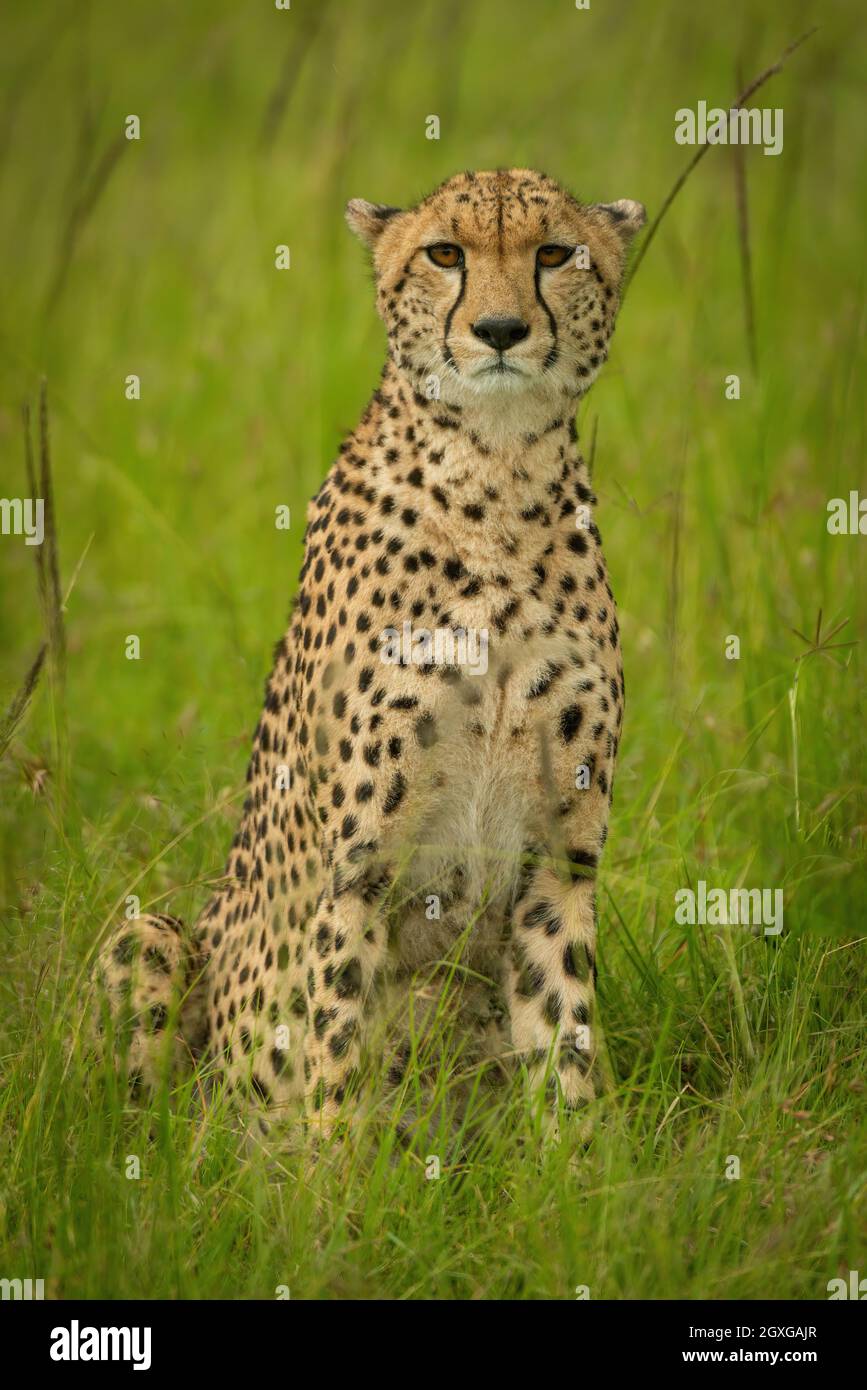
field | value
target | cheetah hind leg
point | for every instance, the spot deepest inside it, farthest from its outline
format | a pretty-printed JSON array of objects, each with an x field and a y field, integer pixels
[{"x": 149, "y": 1000}]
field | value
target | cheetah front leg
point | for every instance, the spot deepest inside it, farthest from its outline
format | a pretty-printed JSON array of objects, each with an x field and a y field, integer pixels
[
  {"x": 551, "y": 980},
  {"x": 345, "y": 950}
]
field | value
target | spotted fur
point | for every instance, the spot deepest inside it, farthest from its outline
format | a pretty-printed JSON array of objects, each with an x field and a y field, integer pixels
[{"x": 454, "y": 504}]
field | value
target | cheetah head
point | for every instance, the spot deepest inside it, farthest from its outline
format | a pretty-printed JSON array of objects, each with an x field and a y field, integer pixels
[{"x": 499, "y": 285}]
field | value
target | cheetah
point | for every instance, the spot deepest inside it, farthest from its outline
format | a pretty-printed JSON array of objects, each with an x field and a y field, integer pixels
[{"x": 459, "y": 515}]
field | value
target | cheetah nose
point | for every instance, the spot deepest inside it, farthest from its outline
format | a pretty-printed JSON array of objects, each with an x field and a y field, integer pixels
[{"x": 500, "y": 332}]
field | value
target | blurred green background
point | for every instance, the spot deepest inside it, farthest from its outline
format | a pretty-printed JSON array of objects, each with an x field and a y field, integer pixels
[{"x": 156, "y": 258}]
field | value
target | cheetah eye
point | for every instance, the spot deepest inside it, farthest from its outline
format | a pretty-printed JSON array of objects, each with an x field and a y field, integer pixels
[
  {"x": 553, "y": 255},
  {"x": 444, "y": 254}
]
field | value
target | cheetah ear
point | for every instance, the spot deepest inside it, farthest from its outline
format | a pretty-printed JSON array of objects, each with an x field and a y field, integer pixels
[
  {"x": 625, "y": 216},
  {"x": 368, "y": 220}
]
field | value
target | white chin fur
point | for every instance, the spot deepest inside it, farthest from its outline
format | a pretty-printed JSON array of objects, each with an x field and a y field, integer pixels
[{"x": 499, "y": 383}]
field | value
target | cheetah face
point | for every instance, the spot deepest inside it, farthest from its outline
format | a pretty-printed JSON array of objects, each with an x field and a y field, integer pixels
[{"x": 498, "y": 283}]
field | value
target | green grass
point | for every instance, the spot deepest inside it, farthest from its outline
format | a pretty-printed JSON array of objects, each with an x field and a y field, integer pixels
[{"x": 713, "y": 512}]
